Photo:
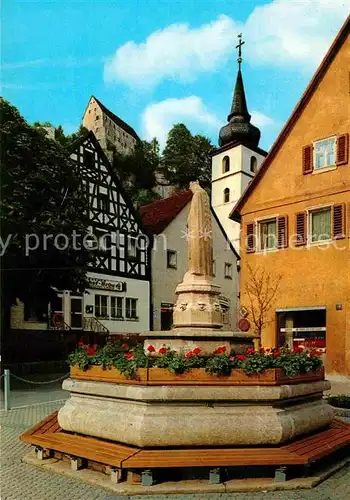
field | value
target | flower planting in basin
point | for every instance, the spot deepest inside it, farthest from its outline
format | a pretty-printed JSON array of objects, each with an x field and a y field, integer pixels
[{"x": 121, "y": 363}]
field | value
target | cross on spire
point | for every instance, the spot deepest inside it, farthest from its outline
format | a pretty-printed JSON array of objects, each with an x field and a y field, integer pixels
[{"x": 239, "y": 47}]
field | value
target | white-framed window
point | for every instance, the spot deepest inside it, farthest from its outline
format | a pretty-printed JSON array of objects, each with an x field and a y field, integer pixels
[
  {"x": 320, "y": 224},
  {"x": 101, "y": 306},
  {"x": 131, "y": 308},
  {"x": 267, "y": 234},
  {"x": 132, "y": 247},
  {"x": 324, "y": 153},
  {"x": 228, "y": 270},
  {"x": 116, "y": 307},
  {"x": 172, "y": 259}
]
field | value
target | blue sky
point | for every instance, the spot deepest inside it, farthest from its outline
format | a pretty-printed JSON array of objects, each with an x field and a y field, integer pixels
[{"x": 159, "y": 62}]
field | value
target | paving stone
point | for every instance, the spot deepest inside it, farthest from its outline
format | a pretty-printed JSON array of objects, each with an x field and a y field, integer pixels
[{"x": 20, "y": 481}]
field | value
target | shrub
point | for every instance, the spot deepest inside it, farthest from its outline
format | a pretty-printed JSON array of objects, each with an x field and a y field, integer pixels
[{"x": 341, "y": 401}]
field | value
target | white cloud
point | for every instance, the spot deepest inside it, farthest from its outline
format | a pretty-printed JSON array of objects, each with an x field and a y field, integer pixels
[
  {"x": 158, "y": 118},
  {"x": 283, "y": 32},
  {"x": 286, "y": 32},
  {"x": 175, "y": 53},
  {"x": 260, "y": 120}
]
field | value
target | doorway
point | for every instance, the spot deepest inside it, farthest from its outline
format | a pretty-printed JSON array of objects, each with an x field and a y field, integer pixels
[
  {"x": 166, "y": 316},
  {"x": 76, "y": 312},
  {"x": 304, "y": 327}
]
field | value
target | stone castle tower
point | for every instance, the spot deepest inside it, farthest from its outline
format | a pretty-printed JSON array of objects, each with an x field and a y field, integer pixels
[{"x": 236, "y": 160}]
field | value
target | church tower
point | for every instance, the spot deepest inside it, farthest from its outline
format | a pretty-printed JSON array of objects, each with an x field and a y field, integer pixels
[{"x": 237, "y": 159}]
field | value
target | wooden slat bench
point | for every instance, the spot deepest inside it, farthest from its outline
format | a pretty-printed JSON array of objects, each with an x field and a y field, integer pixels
[{"x": 301, "y": 452}]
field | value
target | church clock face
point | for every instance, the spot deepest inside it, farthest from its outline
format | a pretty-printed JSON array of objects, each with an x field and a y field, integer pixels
[{"x": 113, "y": 221}]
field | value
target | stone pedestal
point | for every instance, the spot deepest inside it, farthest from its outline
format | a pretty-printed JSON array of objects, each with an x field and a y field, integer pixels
[
  {"x": 197, "y": 305},
  {"x": 207, "y": 339},
  {"x": 161, "y": 416}
]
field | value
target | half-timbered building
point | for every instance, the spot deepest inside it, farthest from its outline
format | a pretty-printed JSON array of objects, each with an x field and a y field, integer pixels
[{"x": 117, "y": 299}]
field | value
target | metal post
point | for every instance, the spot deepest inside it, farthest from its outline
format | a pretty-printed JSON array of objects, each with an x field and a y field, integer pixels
[{"x": 7, "y": 389}]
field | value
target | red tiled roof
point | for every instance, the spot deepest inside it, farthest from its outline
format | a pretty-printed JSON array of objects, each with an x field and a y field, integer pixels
[{"x": 157, "y": 215}]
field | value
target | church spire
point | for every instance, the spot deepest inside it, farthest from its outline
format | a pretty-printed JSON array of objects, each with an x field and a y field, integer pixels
[{"x": 239, "y": 127}]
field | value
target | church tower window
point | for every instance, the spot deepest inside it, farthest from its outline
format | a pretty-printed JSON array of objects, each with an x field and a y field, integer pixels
[
  {"x": 253, "y": 164},
  {"x": 226, "y": 195},
  {"x": 225, "y": 164}
]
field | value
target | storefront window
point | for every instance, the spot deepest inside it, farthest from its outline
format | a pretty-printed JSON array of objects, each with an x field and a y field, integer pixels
[{"x": 101, "y": 309}]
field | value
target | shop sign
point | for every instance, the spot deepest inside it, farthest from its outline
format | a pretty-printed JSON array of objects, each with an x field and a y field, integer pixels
[{"x": 103, "y": 284}]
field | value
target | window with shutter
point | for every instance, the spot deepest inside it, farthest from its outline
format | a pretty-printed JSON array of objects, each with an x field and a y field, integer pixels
[
  {"x": 282, "y": 231},
  {"x": 250, "y": 239},
  {"x": 339, "y": 221},
  {"x": 307, "y": 159},
  {"x": 342, "y": 149},
  {"x": 300, "y": 227}
]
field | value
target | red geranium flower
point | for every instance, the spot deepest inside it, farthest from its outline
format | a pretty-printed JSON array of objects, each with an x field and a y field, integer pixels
[
  {"x": 196, "y": 351},
  {"x": 151, "y": 348},
  {"x": 220, "y": 350},
  {"x": 125, "y": 346},
  {"x": 129, "y": 355},
  {"x": 262, "y": 350},
  {"x": 276, "y": 354},
  {"x": 91, "y": 349},
  {"x": 189, "y": 354},
  {"x": 81, "y": 343},
  {"x": 315, "y": 352},
  {"x": 241, "y": 357},
  {"x": 251, "y": 350},
  {"x": 162, "y": 350},
  {"x": 298, "y": 349},
  {"x": 231, "y": 358}
]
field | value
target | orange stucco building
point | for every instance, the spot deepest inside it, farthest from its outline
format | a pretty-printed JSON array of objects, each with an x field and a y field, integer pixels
[{"x": 295, "y": 217}]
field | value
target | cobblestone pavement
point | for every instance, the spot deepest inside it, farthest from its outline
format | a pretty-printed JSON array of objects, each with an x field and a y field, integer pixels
[{"x": 20, "y": 481}]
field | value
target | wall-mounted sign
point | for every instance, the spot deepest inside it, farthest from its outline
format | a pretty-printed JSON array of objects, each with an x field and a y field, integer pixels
[
  {"x": 243, "y": 324},
  {"x": 103, "y": 284}
]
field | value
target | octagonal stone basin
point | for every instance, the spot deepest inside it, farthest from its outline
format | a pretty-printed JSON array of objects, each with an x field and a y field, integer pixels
[{"x": 159, "y": 416}]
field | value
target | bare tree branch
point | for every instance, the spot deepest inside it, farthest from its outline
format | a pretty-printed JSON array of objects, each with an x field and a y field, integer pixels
[{"x": 261, "y": 289}]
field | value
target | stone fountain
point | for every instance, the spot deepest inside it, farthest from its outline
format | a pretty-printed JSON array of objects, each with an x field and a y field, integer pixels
[{"x": 194, "y": 414}]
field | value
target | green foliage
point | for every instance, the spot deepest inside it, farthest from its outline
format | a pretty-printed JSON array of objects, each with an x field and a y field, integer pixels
[
  {"x": 187, "y": 157},
  {"x": 128, "y": 359},
  {"x": 40, "y": 195},
  {"x": 82, "y": 359},
  {"x": 177, "y": 362},
  {"x": 340, "y": 401},
  {"x": 220, "y": 364},
  {"x": 256, "y": 363},
  {"x": 297, "y": 362},
  {"x": 137, "y": 171}
]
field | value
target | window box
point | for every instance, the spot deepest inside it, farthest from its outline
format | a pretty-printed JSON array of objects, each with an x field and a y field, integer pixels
[{"x": 196, "y": 376}]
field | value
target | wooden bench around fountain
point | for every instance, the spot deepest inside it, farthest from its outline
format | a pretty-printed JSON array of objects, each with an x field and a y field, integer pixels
[{"x": 139, "y": 462}]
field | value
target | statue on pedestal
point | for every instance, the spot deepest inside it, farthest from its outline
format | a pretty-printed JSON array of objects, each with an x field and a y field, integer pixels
[{"x": 199, "y": 234}]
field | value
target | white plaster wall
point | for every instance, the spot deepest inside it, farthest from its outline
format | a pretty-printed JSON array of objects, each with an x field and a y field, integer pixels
[
  {"x": 136, "y": 289},
  {"x": 236, "y": 181},
  {"x": 165, "y": 280}
]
